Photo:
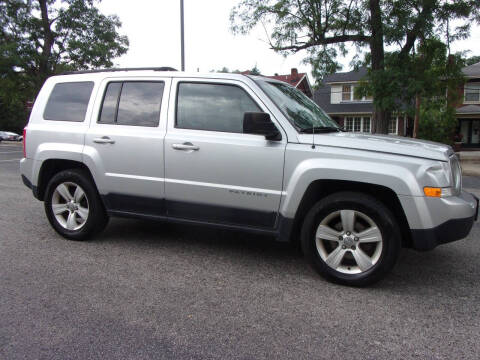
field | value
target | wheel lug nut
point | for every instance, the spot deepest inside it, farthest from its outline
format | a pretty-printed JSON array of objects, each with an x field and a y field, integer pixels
[
  {"x": 356, "y": 238},
  {"x": 348, "y": 233},
  {"x": 340, "y": 238},
  {"x": 353, "y": 247},
  {"x": 344, "y": 247}
]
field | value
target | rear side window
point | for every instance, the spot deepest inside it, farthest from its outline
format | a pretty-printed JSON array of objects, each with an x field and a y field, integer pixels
[
  {"x": 110, "y": 102},
  {"x": 214, "y": 107},
  {"x": 68, "y": 101},
  {"x": 133, "y": 103}
]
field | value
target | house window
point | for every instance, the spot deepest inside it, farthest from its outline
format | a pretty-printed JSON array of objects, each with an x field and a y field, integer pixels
[
  {"x": 366, "y": 124},
  {"x": 357, "y": 124},
  {"x": 349, "y": 124},
  {"x": 472, "y": 92},
  {"x": 349, "y": 94},
  {"x": 356, "y": 96},
  {"x": 393, "y": 125},
  {"x": 346, "y": 92}
]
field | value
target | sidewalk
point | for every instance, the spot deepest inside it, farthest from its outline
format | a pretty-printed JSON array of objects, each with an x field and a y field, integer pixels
[
  {"x": 469, "y": 169},
  {"x": 470, "y": 161}
]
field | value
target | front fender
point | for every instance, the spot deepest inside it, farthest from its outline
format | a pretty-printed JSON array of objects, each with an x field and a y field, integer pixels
[{"x": 398, "y": 178}]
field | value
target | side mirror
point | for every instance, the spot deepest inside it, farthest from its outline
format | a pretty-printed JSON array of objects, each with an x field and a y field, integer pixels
[{"x": 259, "y": 123}]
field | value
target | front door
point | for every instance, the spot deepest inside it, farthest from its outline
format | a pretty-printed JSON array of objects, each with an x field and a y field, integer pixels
[
  {"x": 213, "y": 171},
  {"x": 125, "y": 144},
  {"x": 475, "y": 139},
  {"x": 470, "y": 131}
]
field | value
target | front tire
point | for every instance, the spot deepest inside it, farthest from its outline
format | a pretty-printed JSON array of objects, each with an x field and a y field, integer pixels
[
  {"x": 351, "y": 238},
  {"x": 73, "y": 206}
]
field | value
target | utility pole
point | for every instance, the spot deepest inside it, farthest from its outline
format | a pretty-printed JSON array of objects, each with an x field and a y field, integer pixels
[{"x": 182, "y": 35}]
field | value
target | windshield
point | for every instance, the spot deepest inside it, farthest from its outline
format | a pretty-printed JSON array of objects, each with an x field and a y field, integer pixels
[{"x": 299, "y": 109}]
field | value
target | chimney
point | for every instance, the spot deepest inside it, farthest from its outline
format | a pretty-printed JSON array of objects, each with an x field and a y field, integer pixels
[{"x": 294, "y": 72}]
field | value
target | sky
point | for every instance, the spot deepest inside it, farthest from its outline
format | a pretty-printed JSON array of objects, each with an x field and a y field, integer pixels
[{"x": 153, "y": 28}]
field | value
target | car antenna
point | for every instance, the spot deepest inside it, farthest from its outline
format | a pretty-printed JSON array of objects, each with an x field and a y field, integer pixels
[{"x": 313, "y": 136}]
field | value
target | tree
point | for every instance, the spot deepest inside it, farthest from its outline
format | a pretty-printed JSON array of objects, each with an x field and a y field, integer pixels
[
  {"x": 39, "y": 38},
  {"x": 255, "y": 71},
  {"x": 324, "y": 27},
  {"x": 471, "y": 60}
]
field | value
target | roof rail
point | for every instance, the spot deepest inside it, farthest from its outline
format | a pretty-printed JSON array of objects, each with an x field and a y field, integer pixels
[{"x": 163, "y": 68}]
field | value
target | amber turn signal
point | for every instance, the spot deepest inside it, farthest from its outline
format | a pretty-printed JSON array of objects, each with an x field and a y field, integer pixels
[{"x": 432, "y": 191}]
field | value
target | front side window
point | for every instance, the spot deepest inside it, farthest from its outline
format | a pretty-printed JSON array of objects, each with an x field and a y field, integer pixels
[
  {"x": 134, "y": 103},
  {"x": 212, "y": 107},
  {"x": 472, "y": 92},
  {"x": 68, "y": 101}
]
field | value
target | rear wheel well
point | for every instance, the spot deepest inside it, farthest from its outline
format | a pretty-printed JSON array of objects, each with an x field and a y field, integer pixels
[
  {"x": 321, "y": 188},
  {"x": 54, "y": 166}
]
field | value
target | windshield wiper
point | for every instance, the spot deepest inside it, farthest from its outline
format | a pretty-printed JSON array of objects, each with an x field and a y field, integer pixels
[{"x": 319, "y": 129}]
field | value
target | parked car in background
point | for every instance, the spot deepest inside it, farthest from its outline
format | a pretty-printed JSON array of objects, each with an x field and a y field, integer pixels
[{"x": 11, "y": 136}]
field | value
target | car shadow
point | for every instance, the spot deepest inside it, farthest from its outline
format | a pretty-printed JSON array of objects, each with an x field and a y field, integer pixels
[
  {"x": 439, "y": 270},
  {"x": 157, "y": 233}
]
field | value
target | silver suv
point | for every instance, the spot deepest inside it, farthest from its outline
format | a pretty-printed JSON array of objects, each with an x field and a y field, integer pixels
[{"x": 238, "y": 152}]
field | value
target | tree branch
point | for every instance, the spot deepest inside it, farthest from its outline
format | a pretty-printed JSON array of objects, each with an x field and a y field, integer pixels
[
  {"x": 417, "y": 29},
  {"x": 325, "y": 41}
]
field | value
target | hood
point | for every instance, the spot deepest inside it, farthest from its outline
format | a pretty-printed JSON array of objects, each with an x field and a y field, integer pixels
[{"x": 381, "y": 143}]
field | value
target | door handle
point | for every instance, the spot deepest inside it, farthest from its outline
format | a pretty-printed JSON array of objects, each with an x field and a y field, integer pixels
[
  {"x": 104, "y": 140},
  {"x": 186, "y": 146}
]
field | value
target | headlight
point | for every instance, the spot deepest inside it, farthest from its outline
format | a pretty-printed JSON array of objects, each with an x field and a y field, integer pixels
[{"x": 454, "y": 171}]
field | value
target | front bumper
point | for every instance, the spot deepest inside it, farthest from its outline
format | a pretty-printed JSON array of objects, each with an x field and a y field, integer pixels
[{"x": 451, "y": 230}]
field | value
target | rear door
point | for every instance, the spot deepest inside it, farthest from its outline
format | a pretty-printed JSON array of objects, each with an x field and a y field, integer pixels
[
  {"x": 124, "y": 144},
  {"x": 214, "y": 172}
]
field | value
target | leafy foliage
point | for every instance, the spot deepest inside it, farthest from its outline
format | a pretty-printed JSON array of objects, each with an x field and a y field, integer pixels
[
  {"x": 437, "y": 122},
  {"x": 253, "y": 71},
  {"x": 39, "y": 38},
  {"x": 324, "y": 27},
  {"x": 471, "y": 60}
]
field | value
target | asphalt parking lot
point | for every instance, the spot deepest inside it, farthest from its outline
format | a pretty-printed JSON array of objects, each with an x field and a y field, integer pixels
[{"x": 153, "y": 290}]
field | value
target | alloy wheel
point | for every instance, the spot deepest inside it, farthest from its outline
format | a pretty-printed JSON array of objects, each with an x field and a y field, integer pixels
[
  {"x": 70, "y": 206},
  {"x": 349, "y": 241}
]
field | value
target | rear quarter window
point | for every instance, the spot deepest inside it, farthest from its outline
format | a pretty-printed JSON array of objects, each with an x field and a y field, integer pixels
[{"x": 68, "y": 101}]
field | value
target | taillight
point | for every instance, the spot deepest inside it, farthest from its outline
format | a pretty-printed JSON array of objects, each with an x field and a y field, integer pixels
[{"x": 24, "y": 142}]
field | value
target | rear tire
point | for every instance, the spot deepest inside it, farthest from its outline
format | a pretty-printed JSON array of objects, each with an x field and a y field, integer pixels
[
  {"x": 73, "y": 205},
  {"x": 351, "y": 238}
]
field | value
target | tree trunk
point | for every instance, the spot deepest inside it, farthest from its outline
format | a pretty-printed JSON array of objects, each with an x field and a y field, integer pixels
[
  {"x": 48, "y": 41},
  {"x": 416, "y": 119},
  {"x": 379, "y": 121}
]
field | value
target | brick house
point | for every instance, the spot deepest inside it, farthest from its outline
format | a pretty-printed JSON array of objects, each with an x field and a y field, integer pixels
[
  {"x": 296, "y": 79},
  {"x": 468, "y": 111},
  {"x": 337, "y": 98}
]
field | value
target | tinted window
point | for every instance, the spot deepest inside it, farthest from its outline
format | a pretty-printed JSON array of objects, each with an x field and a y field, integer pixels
[
  {"x": 212, "y": 107},
  {"x": 109, "y": 106},
  {"x": 68, "y": 101},
  {"x": 140, "y": 103}
]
